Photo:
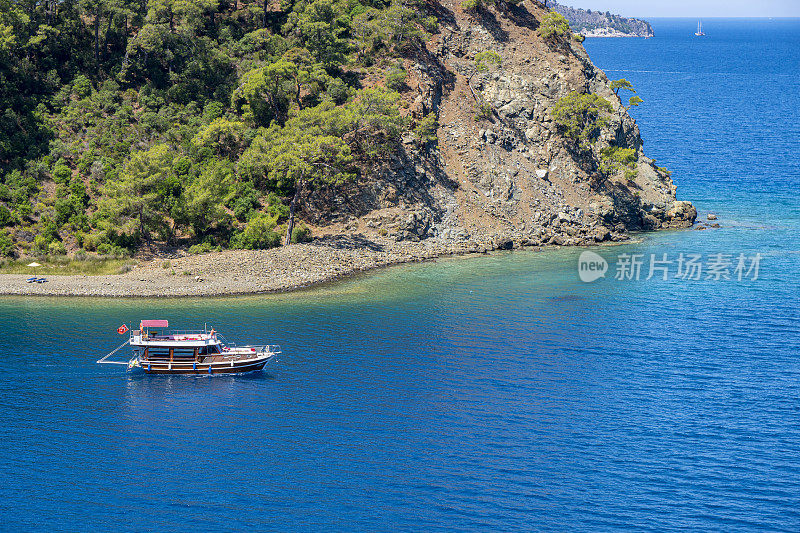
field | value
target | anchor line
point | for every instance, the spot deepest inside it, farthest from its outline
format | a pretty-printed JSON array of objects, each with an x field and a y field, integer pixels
[{"x": 118, "y": 348}]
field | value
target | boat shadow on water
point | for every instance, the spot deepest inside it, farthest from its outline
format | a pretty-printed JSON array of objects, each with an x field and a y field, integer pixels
[{"x": 140, "y": 376}]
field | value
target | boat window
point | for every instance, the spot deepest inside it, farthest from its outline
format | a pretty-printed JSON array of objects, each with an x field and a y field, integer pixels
[
  {"x": 213, "y": 349},
  {"x": 202, "y": 350},
  {"x": 183, "y": 353},
  {"x": 158, "y": 354}
]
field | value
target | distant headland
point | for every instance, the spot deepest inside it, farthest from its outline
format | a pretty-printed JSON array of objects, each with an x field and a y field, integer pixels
[{"x": 602, "y": 24}]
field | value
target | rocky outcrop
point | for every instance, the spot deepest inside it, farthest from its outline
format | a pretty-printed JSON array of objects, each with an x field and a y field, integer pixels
[
  {"x": 602, "y": 24},
  {"x": 509, "y": 175}
]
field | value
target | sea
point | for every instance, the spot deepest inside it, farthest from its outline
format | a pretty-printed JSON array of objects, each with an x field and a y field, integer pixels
[{"x": 654, "y": 386}]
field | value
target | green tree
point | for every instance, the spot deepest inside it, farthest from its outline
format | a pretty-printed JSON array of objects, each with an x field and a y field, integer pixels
[
  {"x": 268, "y": 91},
  {"x": 376, "y": 121},
  {"x": 621, "y": 84},
  {"x": 139, "y": 110},
  {"x": 6, "y": 219},
  {"x": 426, "y": 128},
  {"x": 296, "y": 157},
  {"x": 402, "y": 27},
  {"x": 553, "y": 26},
  {"x": 206, "y": 196},
  {"x": 633, "y": 101},
  {"x": 321, "y": 25},
  {"x": 224, "y": 137},
  {"x": 139, "y": 194},
  {"x": 581, "y": 116},
  {"x": 624, "y": 85},
  {"x": 613, "y": 159}
]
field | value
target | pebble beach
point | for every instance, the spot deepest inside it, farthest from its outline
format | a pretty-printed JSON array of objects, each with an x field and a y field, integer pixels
[{"x": 234, "y": 272}]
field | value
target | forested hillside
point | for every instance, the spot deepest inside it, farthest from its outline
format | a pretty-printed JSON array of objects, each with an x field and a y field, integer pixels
[{"x": 129, "y": 122}]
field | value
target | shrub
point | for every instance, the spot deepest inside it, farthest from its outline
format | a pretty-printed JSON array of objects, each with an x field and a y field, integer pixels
[
  {"x": 40, "y": 245},
  {"x": 426, "y": 128},
  {"x": 259, "y": 234},
  {"x": 81, "y": 86},
  {"x": 6, "y": 245},
  {"x": 301, "y": 233},
  {"x": 581, "y": 116},
  {"x": 579, "y": 37},
  {"x": 65, "y": 208},
  {"x": 613, "y": 159},
  {"x": 89, "y": 242},
  {"x": 24, "y": 209},
  {"x": 553, "y": 26},
  {"x": 202, "y": 248},
  {"x": 181, "y": 166},
  {"x": 107, "y": 248},
  {"x": 485, "y": 58},
  {"x": 244, "y": 201},
  {"x": 61, "y": 173},
  {"x": 56, "y": 248},
  {"x": 396, "y": 78},
  {"x": 5, "y": 216},
  {"x": 276, "y": 207},
  {"x": 483, "y": 112}
]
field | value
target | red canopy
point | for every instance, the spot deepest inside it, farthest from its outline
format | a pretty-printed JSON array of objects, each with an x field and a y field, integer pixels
[{"x": 155, "y": 324}]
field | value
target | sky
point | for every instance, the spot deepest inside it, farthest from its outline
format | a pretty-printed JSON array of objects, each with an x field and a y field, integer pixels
[{"x": 692, "y": 8}]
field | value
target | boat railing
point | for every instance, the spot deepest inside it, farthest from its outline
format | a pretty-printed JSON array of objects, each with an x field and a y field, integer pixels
[
  {"x": 260, "y": 348},
  {"x": 265, "y": 349},
  {"x": 171, "y": 333}
]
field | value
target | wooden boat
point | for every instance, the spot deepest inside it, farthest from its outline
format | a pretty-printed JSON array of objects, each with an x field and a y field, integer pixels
[{"x": 157, "y": 351}]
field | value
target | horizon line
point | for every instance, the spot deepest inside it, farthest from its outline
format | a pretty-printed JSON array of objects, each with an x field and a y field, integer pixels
[{"x": 719, "y": 17}]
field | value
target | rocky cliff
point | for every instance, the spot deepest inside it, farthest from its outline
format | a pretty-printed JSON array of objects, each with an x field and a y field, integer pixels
[
  {"x": 602, "y": 24},
  {"x": 502, "y": 172}
]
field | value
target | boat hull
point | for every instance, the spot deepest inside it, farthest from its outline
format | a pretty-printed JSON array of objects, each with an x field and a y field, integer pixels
[{"x": 232, "y": 367}]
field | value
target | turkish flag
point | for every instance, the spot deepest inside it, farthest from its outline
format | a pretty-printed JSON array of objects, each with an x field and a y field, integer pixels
[{"x": 122, "y": 329}]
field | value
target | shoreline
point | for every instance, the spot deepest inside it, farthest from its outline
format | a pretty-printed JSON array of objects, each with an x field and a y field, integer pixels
[{"x": 249, "y": 272}]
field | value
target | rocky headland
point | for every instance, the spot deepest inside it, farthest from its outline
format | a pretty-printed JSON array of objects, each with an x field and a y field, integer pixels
[
  {"x": 500, "y": 174},
  {"x": 511, "y": 175},
  {"x": 602, "y": 24}
]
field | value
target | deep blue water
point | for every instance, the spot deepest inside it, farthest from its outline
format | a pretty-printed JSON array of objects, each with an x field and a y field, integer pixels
[{"x": 495, "y": 393}]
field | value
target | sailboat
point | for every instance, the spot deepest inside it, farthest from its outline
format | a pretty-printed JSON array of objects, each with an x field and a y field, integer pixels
[{"x": 699, "y": 31}]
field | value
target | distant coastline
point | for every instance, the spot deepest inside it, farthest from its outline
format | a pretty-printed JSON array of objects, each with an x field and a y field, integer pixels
[
  {"x": 602, "y": 24},
  {"x": 608, "y": 33}
]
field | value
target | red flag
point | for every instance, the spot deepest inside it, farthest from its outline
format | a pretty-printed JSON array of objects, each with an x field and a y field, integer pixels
[{"x": 122, "y": 329}]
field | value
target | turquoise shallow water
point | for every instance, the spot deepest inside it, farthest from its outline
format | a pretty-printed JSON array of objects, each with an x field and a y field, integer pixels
[{"x": 490, "y": 393}]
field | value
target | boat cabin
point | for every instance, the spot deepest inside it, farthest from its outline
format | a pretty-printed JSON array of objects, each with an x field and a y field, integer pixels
[{"x": 155, "y": 344}]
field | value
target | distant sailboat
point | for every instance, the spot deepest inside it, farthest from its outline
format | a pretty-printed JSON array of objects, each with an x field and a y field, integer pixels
[{"x": 699, "y": 32}]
